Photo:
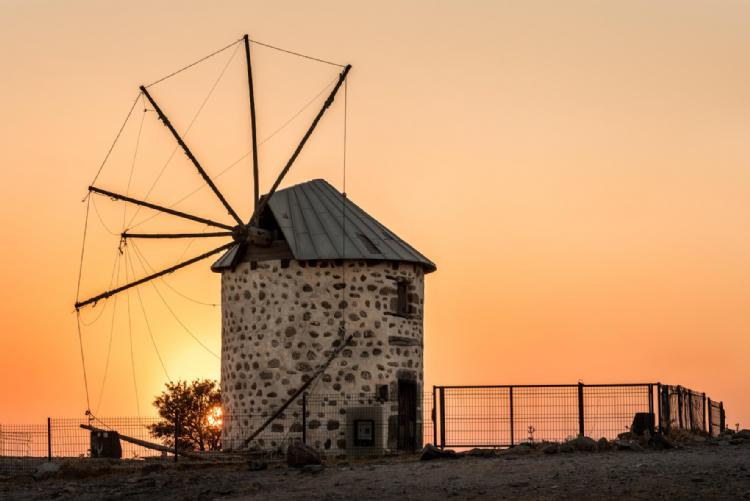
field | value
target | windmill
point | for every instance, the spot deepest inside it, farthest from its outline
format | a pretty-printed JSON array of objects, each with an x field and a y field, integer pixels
[{"x": 315, "y": 291}]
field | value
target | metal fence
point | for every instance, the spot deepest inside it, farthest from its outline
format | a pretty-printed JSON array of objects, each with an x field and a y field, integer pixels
[
  {"x": 336, "y": 425},
  {"x": 24, "y": 447},
  {"x": 503, "y": 416},
  {"x": 369, "y": 424}
]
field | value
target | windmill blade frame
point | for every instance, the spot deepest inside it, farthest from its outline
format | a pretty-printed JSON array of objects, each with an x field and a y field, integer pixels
[
  {"x": 166, "y": 210},
  {"x": 166, "y": 271},
  {"x": 190, "y": 155}
]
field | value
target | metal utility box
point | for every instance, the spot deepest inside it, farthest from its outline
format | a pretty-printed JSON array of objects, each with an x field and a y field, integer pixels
[{"x": 365, "y": 431}]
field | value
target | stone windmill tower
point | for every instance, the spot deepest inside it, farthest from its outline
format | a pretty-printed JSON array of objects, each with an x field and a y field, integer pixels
[
  {"x": 314, "y": 291},
  {"x": 329, "y": 264}
]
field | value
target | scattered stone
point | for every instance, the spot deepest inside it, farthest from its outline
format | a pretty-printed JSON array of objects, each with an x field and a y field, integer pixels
[
  {"x": 659, "y": 441},
  {"x": 743, "y": 434},
  {"x": 257, "y": 465},
  {"x": 481, "y": 453},
  {"x": 736, "y": 441},
  {"x": 567, "y": 448},
  {"x": 602, "y": 444},
  {"x": 313, "y": 468},
  {"x": 627, "y": 445},
  {"x": 299, "y": 455},
  {"x": 431, "y": 452},
  {"x": 586, "y": 444},
  {"x": 46, "y": 470},
  {"x": 551, "y": 449},
  {"x": 518, "y": 450},
  {"x": 152, "y": 468}
]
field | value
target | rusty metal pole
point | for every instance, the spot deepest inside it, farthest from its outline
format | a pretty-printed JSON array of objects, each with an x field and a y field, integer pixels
[
  {"x": 651, "y": 409},
  {"x": 512, "y": 426},
  {"x": 442, "y": 417},
  {"x": 581, "y": 419},
  {"x": 304, "y": 418},
  {"x": 49, "y": 439},
  {"x": 434, "y": 416}
]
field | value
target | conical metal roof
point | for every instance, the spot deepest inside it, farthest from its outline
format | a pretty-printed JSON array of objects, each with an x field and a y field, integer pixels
[{"x": 318, "y": 222}]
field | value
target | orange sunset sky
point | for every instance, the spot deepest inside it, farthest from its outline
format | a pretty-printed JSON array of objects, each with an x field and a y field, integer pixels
[{"x": 578, "y": 171}]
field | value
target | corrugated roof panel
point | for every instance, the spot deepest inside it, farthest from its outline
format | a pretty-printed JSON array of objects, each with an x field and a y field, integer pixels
[{"x": 318, "y": 222}]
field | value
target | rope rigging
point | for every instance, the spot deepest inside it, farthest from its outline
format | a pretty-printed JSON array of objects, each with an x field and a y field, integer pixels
[
  {"x": 187, "y": 130},
  {"x": 110, "y": 337},
  {"x": 140, "y": 258},
  {"x": 240, "y": 159},
  {"x": 148, "y": 324},
  {"x": 130, "y": 337}
]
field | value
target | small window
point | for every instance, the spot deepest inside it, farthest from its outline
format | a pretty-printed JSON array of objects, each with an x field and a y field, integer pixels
[{"x": 402, "y": 305}]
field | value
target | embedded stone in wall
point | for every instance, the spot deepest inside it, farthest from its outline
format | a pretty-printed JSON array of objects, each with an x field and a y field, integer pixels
[{"x": 403, "y": 341}]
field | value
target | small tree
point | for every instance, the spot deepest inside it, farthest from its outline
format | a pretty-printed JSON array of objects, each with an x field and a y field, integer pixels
[{"x": 197, "y": 407}]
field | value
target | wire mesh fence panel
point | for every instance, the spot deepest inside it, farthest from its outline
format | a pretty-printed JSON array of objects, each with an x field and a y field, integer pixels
[
  {"x": 22, "y": 447},
  {"x": 545, "y": 413},
  {"x": 70, "y": 440},
  {"x": 428, "y": 420},
  {"x": 475, "y": 417},
  {"x": 611, "y": 410},
  {"x": 336, "y": 425}
]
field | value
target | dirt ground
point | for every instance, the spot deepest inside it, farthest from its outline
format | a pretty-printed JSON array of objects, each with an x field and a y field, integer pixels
[{"x": 701, "y": 471}]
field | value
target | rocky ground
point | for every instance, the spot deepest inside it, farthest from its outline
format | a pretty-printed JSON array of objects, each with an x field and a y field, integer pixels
[{"x": 696, "y": 469}]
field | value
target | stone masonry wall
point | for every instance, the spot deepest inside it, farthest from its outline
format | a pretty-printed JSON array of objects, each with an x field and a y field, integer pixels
[{"x": 281, "y": 322}]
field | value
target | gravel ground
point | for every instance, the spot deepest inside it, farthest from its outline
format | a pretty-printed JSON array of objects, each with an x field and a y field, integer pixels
[{"x": 699, "y": 471}]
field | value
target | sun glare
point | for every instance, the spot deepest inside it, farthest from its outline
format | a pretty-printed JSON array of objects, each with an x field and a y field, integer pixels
[{"x": 215, "y": 417}]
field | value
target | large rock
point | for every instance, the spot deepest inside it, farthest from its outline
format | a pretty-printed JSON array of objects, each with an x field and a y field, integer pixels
[
  {"x": 431, "y": 452},
  {"x": 46, "y": 470},
  {"x": 299, "y": 455},
  {"x": 586, "y": 444},
  {"x": 642, "y": 422},
  {"x": 743, "y": 434}
]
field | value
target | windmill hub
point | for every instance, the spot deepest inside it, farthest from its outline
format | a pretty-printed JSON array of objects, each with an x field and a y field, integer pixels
[
  {"x": 246, "y": 233},
  {"x": 240, "y": 233}
]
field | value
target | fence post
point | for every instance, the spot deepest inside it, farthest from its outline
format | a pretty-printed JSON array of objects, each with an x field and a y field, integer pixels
[
  {"x": 176, "y": 433},
  {"x": 442, "y": 417},
  {"x": 722, "y": 417},
  {"x": 679, "y": 408},
  {"x": 581, "y": 419},
  {"x": 304, "y": 418},
  {"x": 434, "y": 416},
  {"x": 511, "y": 418},
  {"x": 690, "y": 408},
  {"x": 709, "y": 422},
  {"x": 666, "y": 410},
  {"x": 704, "y": 411},
  {"x": 49, "y": 439},
  {"x": 651, "y": 408},
  {"x": 658, "y": 407}
]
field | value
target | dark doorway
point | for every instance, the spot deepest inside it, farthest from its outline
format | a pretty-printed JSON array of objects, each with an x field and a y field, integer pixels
[{"x": 407, "y": 415}]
